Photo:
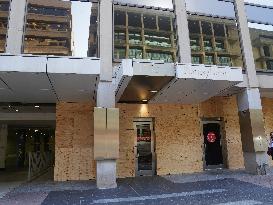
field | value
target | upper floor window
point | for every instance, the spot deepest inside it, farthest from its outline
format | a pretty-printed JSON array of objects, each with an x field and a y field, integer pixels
[
  {"x": 4, "y": 6},
  {"x": 47, "y": 10}
]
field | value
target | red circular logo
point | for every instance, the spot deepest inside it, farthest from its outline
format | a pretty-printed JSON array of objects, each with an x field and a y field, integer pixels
[{"x": 211, "y": 137}]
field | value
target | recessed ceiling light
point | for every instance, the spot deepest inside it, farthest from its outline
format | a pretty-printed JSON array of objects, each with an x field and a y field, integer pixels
[
  {"x": 17, "y": 110},
  {"x": 36, "y": 130},
  {"x": 153, "y": 91},
  {"x": 144, "y": 100},
  {"x": 37, "y": 106}
]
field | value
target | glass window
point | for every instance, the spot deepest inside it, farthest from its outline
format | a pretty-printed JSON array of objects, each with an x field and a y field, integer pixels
[
  {"x": 262, "y": 45},
  {"x": 64, "y": 28},
  {"x": 4, "y": 6},
  {"x": 120, "y": 18},
  {"x": 214, "y": 35},
  {"x": 194, "y": 27},
  {"x": 135, "y": 38},
  {"x": 195, "y": 44},
  {"x": 206, "y": 28},
  {"x": 4, "y": 13},
  {"x": 260, "y": 18},
  {"x": 164, "y": 23},
  {"x": 149, "y": 21},
  {"x": 219, "y": 29},
  {"x": 209, "y": 59},
  {"x": 135, "y": 53},
  {"x": 150, "y": 35},
  {"x": 119, "y": 53},
  {"x": 134, "y": 20}
]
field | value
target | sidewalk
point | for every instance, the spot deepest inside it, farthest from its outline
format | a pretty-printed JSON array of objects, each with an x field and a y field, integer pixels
[
  {"x": 10, "y": 180},
  {"x": 211, "y": 187}
]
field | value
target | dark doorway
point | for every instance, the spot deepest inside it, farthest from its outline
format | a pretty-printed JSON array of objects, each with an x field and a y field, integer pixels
[{"x": 213, "y": 146}]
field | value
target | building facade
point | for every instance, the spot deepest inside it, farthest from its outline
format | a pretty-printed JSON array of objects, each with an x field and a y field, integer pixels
[{"x": 137, "y": 89}]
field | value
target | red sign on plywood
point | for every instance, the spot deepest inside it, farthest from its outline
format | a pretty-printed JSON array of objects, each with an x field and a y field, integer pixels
[{"x": 211, "y": 137}]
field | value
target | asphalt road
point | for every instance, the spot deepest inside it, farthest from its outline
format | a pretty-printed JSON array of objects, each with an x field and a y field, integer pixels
[{"x": 159, "y": 191}]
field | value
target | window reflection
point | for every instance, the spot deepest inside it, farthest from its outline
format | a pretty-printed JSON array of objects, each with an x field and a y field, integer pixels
[
  {"x": 4, "y": 8},
  {"x": 48, "y": 28},
  {"x": 93, "y": 32},
  {"x": 143, "y": 34},
  {"x": 50, "y": 11},
  {"x": 214, "y": 41},
  {"x": 62, "y": 28},
  {"x": 262, "y": 43}
]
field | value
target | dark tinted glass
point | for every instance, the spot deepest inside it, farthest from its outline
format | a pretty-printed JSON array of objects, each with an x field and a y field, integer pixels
[
  {"x": 4, "y": 13},
  {"x": 134, "y": 19}
]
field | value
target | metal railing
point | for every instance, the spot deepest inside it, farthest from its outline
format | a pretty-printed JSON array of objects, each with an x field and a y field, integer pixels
[{"x": 39, "y": 163}]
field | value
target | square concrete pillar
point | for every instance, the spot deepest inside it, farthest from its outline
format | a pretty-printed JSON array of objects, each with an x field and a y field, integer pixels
[
  {"x": 106, "y": 118},
  {"x": 106, "y": 145},
  {"x": 184, "y": 48},
  {"x": 3, "y": 145},
  {"x": 16, "y": 24},
  {"x": 253, "y": 136}
]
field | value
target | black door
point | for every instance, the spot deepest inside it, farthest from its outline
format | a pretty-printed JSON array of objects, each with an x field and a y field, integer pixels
[{"x": 213, "y": 147}]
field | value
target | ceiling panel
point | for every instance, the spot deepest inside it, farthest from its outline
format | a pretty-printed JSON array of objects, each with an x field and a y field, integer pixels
[
  {"x": 27, "y": 87},
  {"x": 74, "y": 87},
  {"x": 190, "y": 91},
  {"x": 140, "y": 87}
]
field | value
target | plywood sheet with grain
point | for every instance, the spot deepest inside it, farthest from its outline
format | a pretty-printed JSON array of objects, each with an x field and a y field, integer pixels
[{"x": 74, "y": 142}]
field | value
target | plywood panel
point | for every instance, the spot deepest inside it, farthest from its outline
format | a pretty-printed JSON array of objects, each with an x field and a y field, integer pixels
[
  {"x": 178, "y": 135},
  {"x": 267, "y": 104},
  {"x": 177, "y": 138},
  {"x": 74, "y": 142}
]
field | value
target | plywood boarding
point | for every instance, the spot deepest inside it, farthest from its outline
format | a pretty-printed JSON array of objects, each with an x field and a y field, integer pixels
[
  {"x": 177, "y": 131},
  {"x": 74, "y": 142},
  {"x": 226, "y": 108},
  {"x": 267, "y": 104},
  {"x": 178, "y": 135}
]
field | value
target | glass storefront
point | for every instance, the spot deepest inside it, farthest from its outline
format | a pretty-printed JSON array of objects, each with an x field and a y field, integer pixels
[
  {"x": 141, "y": 33},
  {"x": 214, "y": 36},
  {"x": 4, "y": 13},
  {"x": 61, "y": 28}
]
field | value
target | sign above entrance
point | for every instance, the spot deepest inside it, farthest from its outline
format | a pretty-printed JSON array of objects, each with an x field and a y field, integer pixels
[{"x": 211, "y": 137}]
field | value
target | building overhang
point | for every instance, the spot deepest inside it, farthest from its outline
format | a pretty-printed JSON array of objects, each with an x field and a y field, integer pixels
[
  {"x": 138, "y": 81},
  {"x": 180, "y": 83},
  {"x": 47, "y": 79}
]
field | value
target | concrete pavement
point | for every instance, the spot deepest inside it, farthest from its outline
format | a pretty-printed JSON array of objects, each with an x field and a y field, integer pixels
[{"x": 219, "y": 187}]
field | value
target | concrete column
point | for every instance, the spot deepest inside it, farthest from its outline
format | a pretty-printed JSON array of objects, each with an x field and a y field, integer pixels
[
  {"x": 3, "y": 145},
  {"x": 246, "y": 45},
  {"x": 253, "y": 136},
  {"x": 106, "y": 165},
  {"x": 15, "y": 36},
  {"x": 106, "y": 39},
  {"x": 184, "y": 48}
]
